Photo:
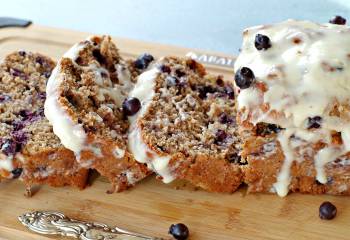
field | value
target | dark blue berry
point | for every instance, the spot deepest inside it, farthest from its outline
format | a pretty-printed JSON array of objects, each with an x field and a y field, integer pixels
[
  {"x": 9, "y": 147},
  {"x": 42, "y": 95},
  {"x": 18, "y": 125},
  {"x": 179, "y": 73},
  {"x": 220, "y": 136},
  {"x": 220, "y": 81},
  {"x": 327, "y": 211},
  {"x": 262, "y": 42},
  {"x": 244, "y": 77},
  {"x": 19, "y": 137},
  {"x": 39, "y": 60},
  {"x": 264, "y": 129},
  {"x": 131, "y": 106},
  {"x": 179, "y": 231},
  {"x": 16, "y": 72},
  {"x": 97, "y": 54},
  {"x": 143, "y": 61},
  {"x": 236, "y": 159},
  {"x": 314, "y": 122},
  {"x": 4, "y": 98},
  {"x": 225, "y": 119},
  {"x": 229, "y": 91},
  {"x": 204, "y": 90},
  {"x": 338, "y": 20},
  {"x": 22, "y": 53},
  {"x": 16, "y": 172},
  {"x": 47, "y": 74},
  {"x": 165, "y": 69}
]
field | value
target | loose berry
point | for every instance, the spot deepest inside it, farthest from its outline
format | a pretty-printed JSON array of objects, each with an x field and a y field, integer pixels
[
  {"x": 327, "y": 211},
  {"x": 179, "y": 231}
]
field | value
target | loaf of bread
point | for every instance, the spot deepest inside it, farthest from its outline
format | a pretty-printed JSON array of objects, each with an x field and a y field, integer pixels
[{"x": 29, "y": 149}]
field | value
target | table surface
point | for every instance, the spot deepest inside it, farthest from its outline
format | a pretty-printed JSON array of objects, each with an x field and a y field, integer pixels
[{"x": 202, "y": 24}]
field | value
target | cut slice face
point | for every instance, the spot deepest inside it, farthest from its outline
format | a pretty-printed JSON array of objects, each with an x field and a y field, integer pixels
[
  {"x": 186, "y": 127},
  {"x": 84, "y": 104},
  {"x": 29, "y": 149}
]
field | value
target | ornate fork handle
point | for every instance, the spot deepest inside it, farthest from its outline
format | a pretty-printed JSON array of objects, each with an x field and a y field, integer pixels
[{"x": 56, "y": 223}]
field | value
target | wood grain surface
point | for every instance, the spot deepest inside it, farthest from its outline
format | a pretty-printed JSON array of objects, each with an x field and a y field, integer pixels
[{"x": 151, "y": 207}]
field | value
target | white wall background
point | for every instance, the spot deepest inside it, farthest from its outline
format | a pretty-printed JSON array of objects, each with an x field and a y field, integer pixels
[{"x": 206, "y": 24}]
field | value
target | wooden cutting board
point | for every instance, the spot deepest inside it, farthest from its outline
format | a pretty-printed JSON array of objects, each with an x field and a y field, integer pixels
[{"x": 151, "y": 207}]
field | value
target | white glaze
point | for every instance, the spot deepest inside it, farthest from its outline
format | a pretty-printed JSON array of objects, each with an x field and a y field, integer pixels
[
  {"x": 303, "y": 85},
  {"x": 283, "y": 178},
  {"x": 6, "y": 162},
  {"x": 118, "y": 153},
  {"x": 303, "y": 79},
  {"x": 130, "y": 176},
  {"x": 72, "y": 135},
  {"x": 143, "y": 154},
  {"x": 325, "y": 155},
  {"x": 144, "y": 91}
]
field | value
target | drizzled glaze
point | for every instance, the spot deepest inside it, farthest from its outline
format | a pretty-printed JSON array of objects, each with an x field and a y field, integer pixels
[
  {"x": 72, "y": 135},
  {"x": 305, "y": 73},
  {"x": 144, "y": 91}
]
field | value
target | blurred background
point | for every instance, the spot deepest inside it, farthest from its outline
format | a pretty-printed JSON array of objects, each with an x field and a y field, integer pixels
[{"x": 202, "y": 24}]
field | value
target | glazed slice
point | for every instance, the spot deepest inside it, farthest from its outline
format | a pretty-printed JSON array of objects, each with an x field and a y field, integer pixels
[
  {"x": 84, "y": 104},
  {"x": 294, "y": 107},
  {"x": 186, "y": 128},
  {"x": 29, "y": 148}
]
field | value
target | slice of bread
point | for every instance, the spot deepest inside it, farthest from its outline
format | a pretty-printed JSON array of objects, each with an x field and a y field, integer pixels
[
  {"x": 85, "y": 94},
  {"x": 186, "y": 127},
  {"x": 294, "y": 107},
  {"x": 28, "y": 147}
]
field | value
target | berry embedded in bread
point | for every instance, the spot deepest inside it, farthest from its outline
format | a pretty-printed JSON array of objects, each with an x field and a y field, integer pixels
[
  {"x": 29, "y": 149},
  {"x": 294, "y": 107},
  {"x": 85, "y": 96},
  {"x": 185, "y": 126}
]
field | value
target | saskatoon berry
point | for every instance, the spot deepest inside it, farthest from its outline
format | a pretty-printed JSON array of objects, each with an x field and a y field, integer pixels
[
  {"x": 327, "y": 211},
  {"x": 131, "y": 106},
  {"x": 262, "y": 42},
  {"x": 179, "y": 231},
  {"x": 338, "y": 20},
  {"x": 244, "y": 77}
]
